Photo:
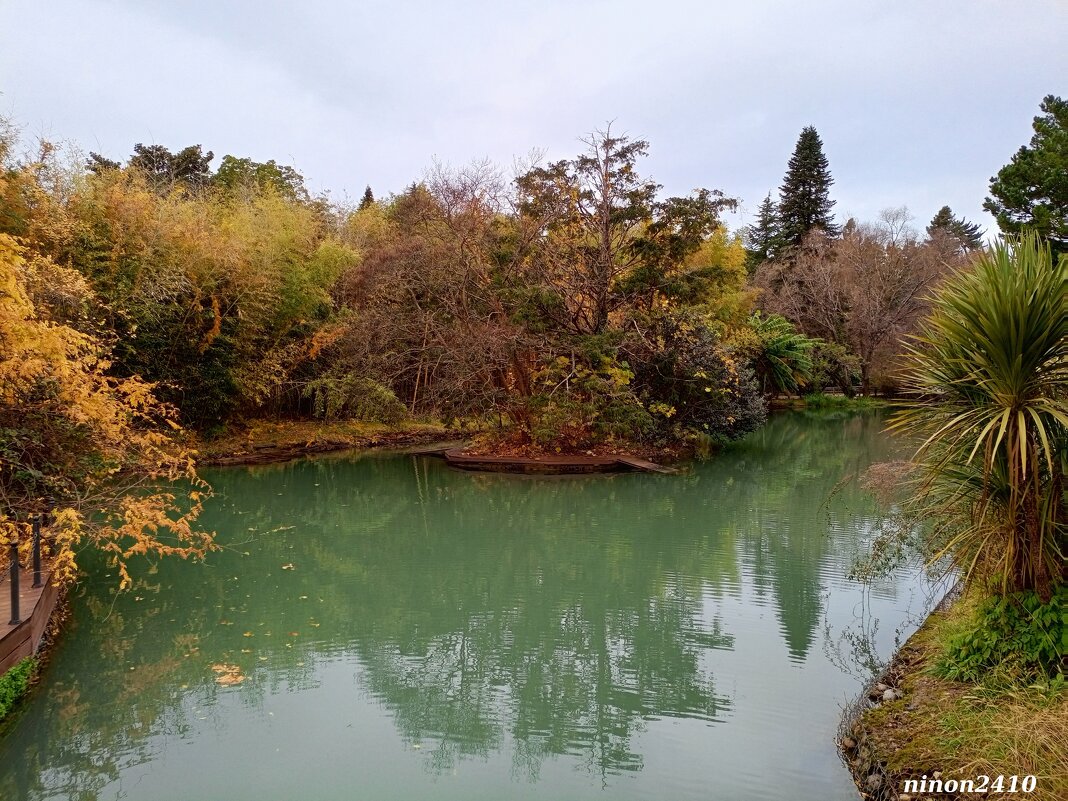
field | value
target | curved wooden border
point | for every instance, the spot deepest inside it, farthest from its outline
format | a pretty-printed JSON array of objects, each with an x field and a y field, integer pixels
[{"x": 549, "y": 465}]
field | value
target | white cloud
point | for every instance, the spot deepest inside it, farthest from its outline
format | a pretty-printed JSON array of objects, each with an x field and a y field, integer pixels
[{"x": 918, "y": 103}]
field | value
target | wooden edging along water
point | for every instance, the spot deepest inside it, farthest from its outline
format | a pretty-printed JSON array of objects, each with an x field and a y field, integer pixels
[
  {"x": 27, "y": 600},
  {"x": 548, "y": 465}
]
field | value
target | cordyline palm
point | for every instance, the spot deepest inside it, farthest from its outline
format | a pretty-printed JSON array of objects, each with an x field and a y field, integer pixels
[{"x": 989, "y": 372}]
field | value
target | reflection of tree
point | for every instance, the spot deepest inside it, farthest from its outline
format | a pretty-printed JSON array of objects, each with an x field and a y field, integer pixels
[
  {"x": 511, "y": 619},
  {"x": 780, "y": 481},
  {"x": 551, "y": 617}
]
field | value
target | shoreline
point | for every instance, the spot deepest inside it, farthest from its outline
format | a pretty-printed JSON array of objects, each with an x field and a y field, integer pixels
[
  {"x": 857, "y": 741},
  {"x": 911, "y": 725},
  {"x": 275, "y": 442}
]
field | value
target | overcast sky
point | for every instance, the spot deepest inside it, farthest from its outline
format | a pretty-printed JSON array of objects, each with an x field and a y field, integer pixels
[{"x": 918, "y": 102}]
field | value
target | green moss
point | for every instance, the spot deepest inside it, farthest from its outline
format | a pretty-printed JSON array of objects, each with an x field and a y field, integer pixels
[{"x": 14, "y": 683}]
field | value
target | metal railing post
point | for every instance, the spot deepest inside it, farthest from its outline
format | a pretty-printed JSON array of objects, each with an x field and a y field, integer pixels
[
  {"x": 37, "y": 551},
  {"x": 15, "y": 618}
]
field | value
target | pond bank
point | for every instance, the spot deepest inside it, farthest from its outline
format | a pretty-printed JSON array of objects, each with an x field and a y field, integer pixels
[
  {"x": 913, "y": 725},
  {"x": 266, "y": 442}
]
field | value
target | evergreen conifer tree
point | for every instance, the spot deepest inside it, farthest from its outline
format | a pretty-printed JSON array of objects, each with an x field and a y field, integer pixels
[
  {"x": 762, "y": 237},
  {"x": 368, "y": 198},
  {"x": 804, "y": 199},
  {"x": 970, "y": 235},
  {"x": 1031, "y": 191}
]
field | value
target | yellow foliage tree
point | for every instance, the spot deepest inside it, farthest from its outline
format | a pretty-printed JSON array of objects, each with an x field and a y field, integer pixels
[{"x": 95, "y": 448}]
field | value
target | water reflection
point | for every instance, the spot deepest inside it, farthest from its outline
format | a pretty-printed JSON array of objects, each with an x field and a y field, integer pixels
[{"x": 484, "y": 620}]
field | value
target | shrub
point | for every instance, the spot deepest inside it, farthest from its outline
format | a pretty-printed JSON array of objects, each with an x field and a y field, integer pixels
[
  {"x": 1015, "y": 638},
  {"x": 354, "y": 396},
  {"x": 578, "y": 406},
  {"x": 14, "y": 683},
  {"x": 682, "y": 364}
]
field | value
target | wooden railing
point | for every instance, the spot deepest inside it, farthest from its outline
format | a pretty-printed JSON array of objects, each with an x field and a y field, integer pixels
[
  {"x": 14, "y": 571},
  {"x": 32, "y": 599}
]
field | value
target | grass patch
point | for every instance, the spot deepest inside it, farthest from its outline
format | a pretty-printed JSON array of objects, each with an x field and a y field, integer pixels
[
  {"x": 818, "y": 400},
  {"x": 969, "y": 728},
  {"x": 14, "y": 683}
]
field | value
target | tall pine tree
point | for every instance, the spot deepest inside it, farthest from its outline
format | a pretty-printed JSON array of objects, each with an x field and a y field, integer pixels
[
  {"x": 762, "y": 237},
  {"x": 970, "y": 235},
  {"x": 804, "y": 199},
  {"x": 368, "y": 199}
]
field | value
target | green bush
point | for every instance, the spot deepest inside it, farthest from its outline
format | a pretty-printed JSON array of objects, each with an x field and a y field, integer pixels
[
  {"x": 14, "y": 683},
  {"x": 583, "y": 401},
  {"x": 1015, "y": 638},
  {"x": 354, "y": 397},
  {"x": 834, "y": 367},
  {"x": 818, "y": 400},
  {"x": 691, "y": 379}
]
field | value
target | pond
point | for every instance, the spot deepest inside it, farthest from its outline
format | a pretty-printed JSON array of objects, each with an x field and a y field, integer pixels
[{"x": 383, "y": 627}]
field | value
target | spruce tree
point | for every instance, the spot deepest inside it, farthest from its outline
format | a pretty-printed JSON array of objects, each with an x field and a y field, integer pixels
[
  {"x": 804, "y": 200},
  {"x": 368, "y": 198},
  {"x": 970, "y": 235},
  {"x": 762, "y": 237}
]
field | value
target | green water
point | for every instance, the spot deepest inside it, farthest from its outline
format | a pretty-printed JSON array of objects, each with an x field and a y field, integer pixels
[{"x": 406, "y": 631}]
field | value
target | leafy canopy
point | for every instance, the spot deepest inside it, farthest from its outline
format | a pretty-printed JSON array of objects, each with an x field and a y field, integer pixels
[{"x": 1032, "y": 189}]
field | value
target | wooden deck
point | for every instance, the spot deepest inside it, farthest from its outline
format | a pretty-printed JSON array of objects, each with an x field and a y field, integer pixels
[{"x": 35, "y": 608}]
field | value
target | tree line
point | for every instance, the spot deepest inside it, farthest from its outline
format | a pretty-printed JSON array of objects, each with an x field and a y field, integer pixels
[{"x": 572, "y": 306}]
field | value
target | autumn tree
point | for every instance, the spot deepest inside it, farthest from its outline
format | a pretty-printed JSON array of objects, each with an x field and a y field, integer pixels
[
  {"x": 77, "y": 442},
  {"x": 864, "y": 292},
  {"x": 1031, "y": 191},
  {"x": 423, "y": 317},
  {"x": 599, "y": 237},
  {"x": 804, "y": 197},
  {"x": 212, "y": 293},
  {"x": 625, "y": 284},
  {"x": 576, "y": 305},
  {"x": 190, "y": 166}
]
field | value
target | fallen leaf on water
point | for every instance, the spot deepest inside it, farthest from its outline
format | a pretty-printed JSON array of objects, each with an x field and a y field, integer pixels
[
  {"x": 227, "y": 675},
  {"x": 248, "y": 634},
  {"x": 294, "y": 634}
]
